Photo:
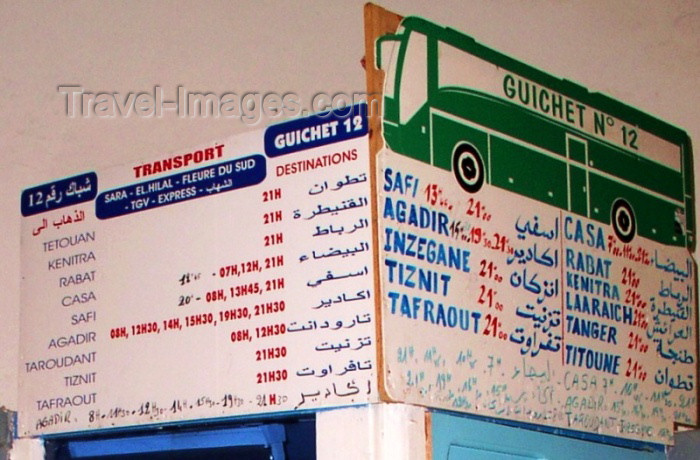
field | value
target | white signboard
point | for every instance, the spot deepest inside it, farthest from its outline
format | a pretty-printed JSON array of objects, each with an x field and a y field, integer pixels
[
  {"x": 235, "y": 278},
  {"x": 496, "y": 305},
  {"x": 535, "y": 245}
]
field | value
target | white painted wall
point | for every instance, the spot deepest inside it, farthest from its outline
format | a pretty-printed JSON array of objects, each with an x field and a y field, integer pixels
[
  {"x": 377, "y": 431},
  {"x": 644, "y": 53}
]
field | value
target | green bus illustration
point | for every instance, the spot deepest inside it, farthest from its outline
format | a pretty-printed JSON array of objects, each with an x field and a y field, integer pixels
[{"x": 460, "y": 106}]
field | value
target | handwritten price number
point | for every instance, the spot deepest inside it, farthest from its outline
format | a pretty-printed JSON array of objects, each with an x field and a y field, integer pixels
[
  {"x": 185, "y": 300},
  {"x": 230, "y": 401},
  {"x": 635, "y": 370},
  {"x": 640, "y": 320},
  {"x": 493, "y": 326},
  {"x": 188, "y": 278},
  {"x": 271, "y": 399},
  {"x": 457, "y": 230},
  {"x": 486, "y": 296},
  {"x": 636, "y": 343},
  {"x": 435, "y": 197},
  {"x": 470, "y": 234},
  {"x": 633, "y": 298},
  {"x": 476, "y": 209},
  {"x": 487, "y": 269},
  {"x": 499, "y": 243},
  {"x": 476, "y": 234},
  {"x": 630, "y": 278}
]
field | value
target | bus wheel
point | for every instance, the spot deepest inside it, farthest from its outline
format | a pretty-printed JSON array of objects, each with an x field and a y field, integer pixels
[
  {"x": 468, "y": 167},
  {"x": 623, "y": 220}
]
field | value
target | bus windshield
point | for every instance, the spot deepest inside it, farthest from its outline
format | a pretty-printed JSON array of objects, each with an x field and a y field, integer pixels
[
  {"x": 413, "y": 91},
  {"x": 451, "y": 64}
]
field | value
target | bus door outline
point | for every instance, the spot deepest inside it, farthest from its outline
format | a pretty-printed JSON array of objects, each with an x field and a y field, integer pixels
[{"x": 577, "y": 152}]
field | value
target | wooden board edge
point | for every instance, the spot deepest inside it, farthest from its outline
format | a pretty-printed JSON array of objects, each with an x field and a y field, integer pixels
[{"x": 377, "y": 22}]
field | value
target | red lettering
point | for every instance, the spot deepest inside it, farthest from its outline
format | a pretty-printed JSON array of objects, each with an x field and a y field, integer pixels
[{"x": 179, "y": 161}]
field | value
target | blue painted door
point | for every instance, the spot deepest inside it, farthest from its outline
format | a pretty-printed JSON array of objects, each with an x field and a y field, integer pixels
[{"x": 462, "y": 438}]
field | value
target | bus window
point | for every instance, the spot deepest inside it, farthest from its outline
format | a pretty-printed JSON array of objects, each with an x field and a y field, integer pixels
[
  {"x": 451, "y": 64},
  {"x": 413, "y": 91}
]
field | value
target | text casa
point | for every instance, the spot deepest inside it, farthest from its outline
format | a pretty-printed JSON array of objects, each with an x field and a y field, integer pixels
[
  {"x": 78, "y": 299},
  {"x": 584, "y": 233}
]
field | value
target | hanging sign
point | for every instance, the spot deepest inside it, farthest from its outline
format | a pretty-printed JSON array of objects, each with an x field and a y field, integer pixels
[
  {"x": 234, "y": 278},
  {"x": 534, "y": 245}
]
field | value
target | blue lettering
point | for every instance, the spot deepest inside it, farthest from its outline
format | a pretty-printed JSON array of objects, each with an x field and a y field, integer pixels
[{"x": 588, "y": 234}]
